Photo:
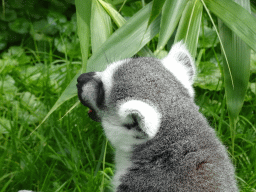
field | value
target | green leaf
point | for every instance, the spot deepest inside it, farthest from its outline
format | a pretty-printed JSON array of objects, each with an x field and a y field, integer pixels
[
  {"x": 16, "y": 56},
  {"x": 10, "y": 15},
  {"x": 5, "y": 125},
  {"x": 70, "y": 46},
  {"x": 172, "y": 12},
  {"x": 238, "y": 55},
  {"x": 33, "y": 109},
  {"x": 42, "y": 26},
  {"x": 208, "y": 76},
  {"x": 126, "y": 41},
  {"x": 120, "y": 21},
  {"x": 101, "y": 26},
  {"x": 117, "y": 18},
  {"x": 7, "y": 85},
  {"x": 127, "y": 10},
  {"x": 208, "y": 38},
  {"x": 20, "y": 25},
  {"x": 56, "y": 18},
  {"x": 238, "y": 19},
  {"x": 156, "y": 10},
  {"x": 253, "y": 62},
  {"x": 189, "y": 26},
  {"x": 83, "y": 13}
]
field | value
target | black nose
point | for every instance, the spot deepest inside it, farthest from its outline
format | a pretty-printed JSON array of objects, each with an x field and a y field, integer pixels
[{"x": 85, "y": 77}]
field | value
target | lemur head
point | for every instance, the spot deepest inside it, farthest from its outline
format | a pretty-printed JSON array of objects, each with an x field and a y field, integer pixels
[{"x": 131, "y": 97}]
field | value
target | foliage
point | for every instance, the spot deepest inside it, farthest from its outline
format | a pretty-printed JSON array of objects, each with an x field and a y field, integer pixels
[
  {"x": 39, "y": 25},
  {"x": 40, "y": 62}
]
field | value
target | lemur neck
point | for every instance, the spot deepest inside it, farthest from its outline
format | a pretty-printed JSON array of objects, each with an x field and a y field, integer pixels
[{"x": 123, "y": 163}]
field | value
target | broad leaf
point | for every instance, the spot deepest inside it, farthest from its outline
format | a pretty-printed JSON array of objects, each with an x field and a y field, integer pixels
[
  {"x": 238, "y": 19},
  {"x": 83, "y": 12},
  {"x": 208, "y": 76},
  {"x": 126, "y": 41},
  {"x": 172, "y": 12},
  {"x": 238, "y": 55},
  {"x": 189, "y": 26},
  {"x": 156, "y": 10},
  {"x": 20, "y": 25},
  {"x": 101, "y": 26},
  {"x": 120, "y": 21}
]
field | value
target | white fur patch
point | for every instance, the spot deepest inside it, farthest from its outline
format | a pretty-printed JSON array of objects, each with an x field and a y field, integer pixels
[
  {"x": 88, "y": 88},
  {"x": 25, "y": 191},
  {"x": 121, "y": 138},
  {"x": 150, "y": 117},
  {"x": 123, "y": 162},
  {"x": 177, "y": 68}
]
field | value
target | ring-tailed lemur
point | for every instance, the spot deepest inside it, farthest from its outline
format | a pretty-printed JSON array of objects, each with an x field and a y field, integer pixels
[{"x": 162, "y": 141}]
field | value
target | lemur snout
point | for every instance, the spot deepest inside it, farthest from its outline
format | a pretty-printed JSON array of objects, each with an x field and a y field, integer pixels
[{"x": 92, "y": 96}]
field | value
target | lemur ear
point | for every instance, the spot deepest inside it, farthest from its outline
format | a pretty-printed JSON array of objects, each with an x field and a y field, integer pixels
[
  {"x": 147, "y": 116},
  {"x": 182, "y": 56}
]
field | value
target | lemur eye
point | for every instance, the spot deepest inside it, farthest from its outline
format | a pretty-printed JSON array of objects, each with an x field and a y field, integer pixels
[
  {"x": 134, "y": 124},
  {"x": 131, "y": 126}
]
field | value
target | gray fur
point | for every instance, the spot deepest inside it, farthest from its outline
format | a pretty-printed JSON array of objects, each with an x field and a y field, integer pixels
[{"x": 185, "y": 154}]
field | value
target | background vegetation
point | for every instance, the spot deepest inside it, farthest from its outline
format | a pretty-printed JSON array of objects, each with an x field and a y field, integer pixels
[{"x": 41, "y": 58}]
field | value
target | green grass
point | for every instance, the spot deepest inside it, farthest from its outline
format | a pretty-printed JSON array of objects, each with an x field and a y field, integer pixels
[{"x": 66, "y": 153}]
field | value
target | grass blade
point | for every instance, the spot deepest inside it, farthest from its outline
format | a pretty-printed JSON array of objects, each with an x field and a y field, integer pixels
[
  {"x": 189, "y": 26},
  {"x": 238, "y": 19},
  {"x": 171, "y": 15},
  {"x": 83, "y": 13},
  {"x": 67, "y": 94},
  {"x": 101, "y": 26}
]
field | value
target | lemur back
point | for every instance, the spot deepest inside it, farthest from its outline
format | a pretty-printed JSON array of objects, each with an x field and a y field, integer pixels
[{"x": 162, "y": 141}]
